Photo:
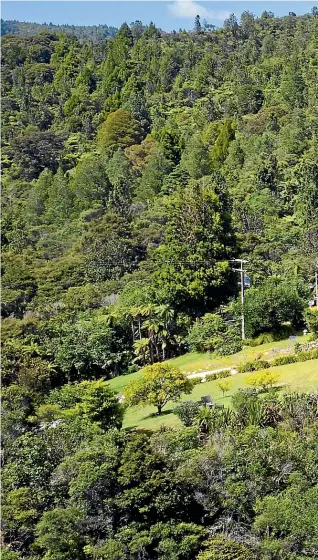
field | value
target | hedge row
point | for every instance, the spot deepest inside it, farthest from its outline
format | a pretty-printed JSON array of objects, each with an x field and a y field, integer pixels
[
  {"x": 257, "y": 365},
  {"x": 265, "y": 338},
  {"x": 218, "y": 375}
]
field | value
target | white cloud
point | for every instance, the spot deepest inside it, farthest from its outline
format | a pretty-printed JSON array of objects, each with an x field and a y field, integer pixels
[{"x": 188, "y": 9}]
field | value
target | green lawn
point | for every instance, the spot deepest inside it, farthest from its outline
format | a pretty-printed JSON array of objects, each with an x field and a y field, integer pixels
[
  {"x": 300, "y": 376},
  {"x": 196, "y": 362}
]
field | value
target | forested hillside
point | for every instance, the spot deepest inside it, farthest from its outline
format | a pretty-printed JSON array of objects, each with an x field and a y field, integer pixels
[{"x": 135, "y": 169}]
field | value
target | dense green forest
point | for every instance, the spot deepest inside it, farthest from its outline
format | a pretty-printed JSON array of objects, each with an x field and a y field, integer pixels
[
  {"x": 135, "y": 170},
  {"x": 83, "y": 32}
]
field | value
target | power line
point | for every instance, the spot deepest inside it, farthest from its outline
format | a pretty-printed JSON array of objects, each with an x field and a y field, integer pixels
[{"x": 166, "y": 261}]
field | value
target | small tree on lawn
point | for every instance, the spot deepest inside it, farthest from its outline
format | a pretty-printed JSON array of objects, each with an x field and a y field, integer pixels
[
  {"x": 263, "y": 379},
  {"x": 159, "y": 384},
  {"x": 224, "y": 385}
]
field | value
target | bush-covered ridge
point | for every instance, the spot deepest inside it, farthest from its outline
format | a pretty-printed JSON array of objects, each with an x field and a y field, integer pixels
[
  {"x": 135, "y": 169},
  {"x": 93, "y": 33}
]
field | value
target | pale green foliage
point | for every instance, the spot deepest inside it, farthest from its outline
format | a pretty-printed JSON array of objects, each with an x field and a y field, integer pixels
[
  {"x": 221, "y": 548},
  {"x": 119, "y": 130},
  {"x": 263, "y": 379},
  {"x": 159, "y": 384},
  {"x": 224, "y": 385}
]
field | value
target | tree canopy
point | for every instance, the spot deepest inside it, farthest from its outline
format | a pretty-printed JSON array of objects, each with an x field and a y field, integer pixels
[{"x": 137, "y": 165}]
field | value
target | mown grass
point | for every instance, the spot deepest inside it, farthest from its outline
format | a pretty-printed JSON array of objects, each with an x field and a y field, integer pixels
[
  {"x": 302, "y": 376},
  {"x": 195, "y": 362}
]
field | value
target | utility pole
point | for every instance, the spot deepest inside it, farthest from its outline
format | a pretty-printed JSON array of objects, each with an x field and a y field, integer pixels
[{"x": 242, "y": 272}]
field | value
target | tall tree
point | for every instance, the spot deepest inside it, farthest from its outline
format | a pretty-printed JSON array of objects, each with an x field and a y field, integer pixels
[
  {"x": 119, "y": 130},
  {"x": 193, "y": 268}
]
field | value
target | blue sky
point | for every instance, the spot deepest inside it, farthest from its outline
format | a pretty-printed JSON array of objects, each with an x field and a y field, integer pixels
[{"x": 167, "y": 15}]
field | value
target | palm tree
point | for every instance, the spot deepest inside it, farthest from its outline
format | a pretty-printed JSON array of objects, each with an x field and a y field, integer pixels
[{"x": 142, "y": 350}]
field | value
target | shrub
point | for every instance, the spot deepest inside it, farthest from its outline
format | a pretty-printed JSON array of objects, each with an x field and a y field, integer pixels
[
  {"x": 241, "y": 396},
  {"x": 211, "y": 376},
  {"x": 269, "y": 305},
  {"x": 220, "y": 548},
  {"x": 250, "y": 342},
  {"x": 244, "y": 368},
  {"x": 283, "y": 360},
  {"x": 213, "y": 419},
  {"x": 285, "y": 331},
  {"x": 223, "y": 374},
  {"x": 218, "y": 375},
  {"x": 187, "y": 412},
  {"x": 308, "y": 355},
  {"x": 311, "y": 318},
  {"x": 267, "y": 337},
  {"x": 255, "y": 365},
  {"x": 263, "y": 379},
  {"x": 264, "y": 338},
  {"x": 247, "y": 406},
  {"x": 212, "y": 334},
  {"x": 132, "y": 368}
]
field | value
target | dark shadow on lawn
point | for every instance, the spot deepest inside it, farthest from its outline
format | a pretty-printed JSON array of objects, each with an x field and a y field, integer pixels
[
  {"x": 163, "y": 413},
  {"x": 272, "y": 390}
]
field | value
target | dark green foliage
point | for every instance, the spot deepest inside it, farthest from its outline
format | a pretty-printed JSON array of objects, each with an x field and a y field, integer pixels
[
  {"x": 187, "y": 412},
  {"x": 35, "y": 151},
  {"x": 227, "y": 167},
  {"x": 92, "y": 400},
  {"x": 198, "y": 241},
  {"x": 256, "y": 365},
  {"x": 134, "y": 169},
  {"x": 211, "y": 333},
  {"x": 283, "y": 332},
  {"x": 272, "y": 303},
  {"x": 311, "y": 318},
  {"x": 59, "y": 534},
  {"x": 282, "y": 360},
  {"x": 291, "y": 517}
]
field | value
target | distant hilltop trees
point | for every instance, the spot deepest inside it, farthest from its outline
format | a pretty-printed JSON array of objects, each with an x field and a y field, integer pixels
[{"x": 88, "y": 33}]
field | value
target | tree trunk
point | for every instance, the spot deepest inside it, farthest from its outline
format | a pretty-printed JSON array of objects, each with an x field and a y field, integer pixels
[{"x": 159, "y": 407}]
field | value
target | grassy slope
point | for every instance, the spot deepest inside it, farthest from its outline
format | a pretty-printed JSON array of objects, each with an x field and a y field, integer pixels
[{"x": 302, "y": 376}]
